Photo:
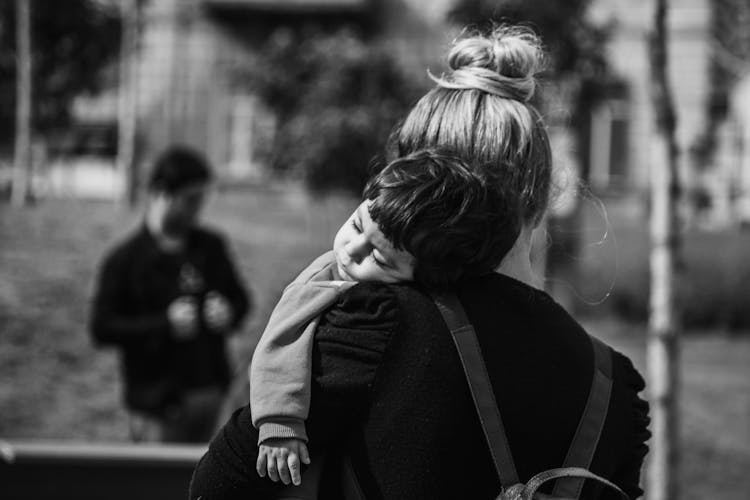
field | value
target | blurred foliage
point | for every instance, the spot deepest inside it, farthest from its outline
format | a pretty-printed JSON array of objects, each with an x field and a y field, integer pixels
[
  {"x": 730, "y": 62},
  {"x": 72, "y": 41},
  {"x": 575, "y": 45},
  {"x": 712, "y": 293},
  {"x": 336, "y": 97}
]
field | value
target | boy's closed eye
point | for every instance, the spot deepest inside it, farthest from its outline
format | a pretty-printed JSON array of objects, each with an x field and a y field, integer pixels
[
  {"x": 380, "y": 261},
  {"x": 357, "y": 227}
]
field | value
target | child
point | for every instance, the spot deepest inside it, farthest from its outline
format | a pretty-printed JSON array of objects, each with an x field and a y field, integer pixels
[{"x": 423, "y": 219}]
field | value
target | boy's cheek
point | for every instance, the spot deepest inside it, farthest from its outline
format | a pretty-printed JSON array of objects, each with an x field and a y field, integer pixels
[{"x": 360, "y": 273}]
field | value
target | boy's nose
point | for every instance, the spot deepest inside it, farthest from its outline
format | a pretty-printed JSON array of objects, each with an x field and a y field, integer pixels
[{"x": 358, "y": 248}]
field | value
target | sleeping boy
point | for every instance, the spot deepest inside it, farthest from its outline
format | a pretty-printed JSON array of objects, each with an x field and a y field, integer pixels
[{"x": 422, "y": 219}]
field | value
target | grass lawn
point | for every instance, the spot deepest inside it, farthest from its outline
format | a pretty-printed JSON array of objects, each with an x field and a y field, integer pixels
[
  {"x": 55, "y": 385},
  {"x": 715, "y": 407}
]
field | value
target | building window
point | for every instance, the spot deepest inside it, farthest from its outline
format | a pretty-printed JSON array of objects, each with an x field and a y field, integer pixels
[{"x": 609, "y": 145}]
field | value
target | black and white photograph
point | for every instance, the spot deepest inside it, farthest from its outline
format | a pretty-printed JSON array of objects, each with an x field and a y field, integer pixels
[{"x": 374, "y": 249}]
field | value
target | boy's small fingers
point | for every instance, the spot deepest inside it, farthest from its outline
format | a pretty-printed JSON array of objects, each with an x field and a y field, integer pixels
[
  {"x": 260, "y": 465},
  {"x": 304, "y": 454},
  {"x": 273, "y": 472},
  {"x": 283, "y": 469},
  {"x": 294, "y": 466}
]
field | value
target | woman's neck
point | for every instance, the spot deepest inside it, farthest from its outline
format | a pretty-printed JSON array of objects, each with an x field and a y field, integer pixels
[{"x": 517, "y": 264}]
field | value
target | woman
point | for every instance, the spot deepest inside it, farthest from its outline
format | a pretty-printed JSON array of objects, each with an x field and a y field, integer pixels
[{"x": 388, "y": 387}]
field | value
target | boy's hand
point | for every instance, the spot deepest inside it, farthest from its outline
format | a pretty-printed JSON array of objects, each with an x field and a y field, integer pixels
[{"x": 280, "y": 459}]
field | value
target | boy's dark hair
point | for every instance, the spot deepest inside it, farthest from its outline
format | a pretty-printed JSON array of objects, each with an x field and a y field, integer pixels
[
  {"x": 457, "y": 221},
  {"x": 178, "y": 167}
]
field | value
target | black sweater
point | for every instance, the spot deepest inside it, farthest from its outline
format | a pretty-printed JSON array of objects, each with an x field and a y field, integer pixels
[
  {"x": 387, "y": 380},
  {"x": 136, "y": 284}
]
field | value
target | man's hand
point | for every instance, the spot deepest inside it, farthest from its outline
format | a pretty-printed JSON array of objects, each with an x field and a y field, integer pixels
[
  {"x": 183, "y": 317},
  {"x": 280, "y": 459},
  {"x": 217, "y": 312}
]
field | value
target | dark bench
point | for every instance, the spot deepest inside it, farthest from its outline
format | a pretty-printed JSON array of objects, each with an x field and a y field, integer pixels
[{"x": 37, "y": 470}]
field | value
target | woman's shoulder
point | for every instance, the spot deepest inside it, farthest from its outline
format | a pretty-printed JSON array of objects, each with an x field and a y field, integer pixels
[
  {"x": 527, "y": 314},
  {"x": 631, "y": 385},
  {"x": 627, "y": 371},
  {"x": 369, "y": 315},
  {"x": 374, "y": 306}
]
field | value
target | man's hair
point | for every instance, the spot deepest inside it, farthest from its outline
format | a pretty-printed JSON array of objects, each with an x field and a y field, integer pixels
[
  {"x": 178, "y": 167},
  {"x": 454, "y": 219}
]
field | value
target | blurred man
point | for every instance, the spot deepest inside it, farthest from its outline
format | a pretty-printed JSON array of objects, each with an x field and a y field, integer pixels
[{"x": 167, "y": 297}]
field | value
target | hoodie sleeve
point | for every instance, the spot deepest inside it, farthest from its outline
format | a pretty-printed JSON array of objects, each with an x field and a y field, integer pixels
[
  {"x": 280, "y": 371},
  {"x": 348, "y": 347}
]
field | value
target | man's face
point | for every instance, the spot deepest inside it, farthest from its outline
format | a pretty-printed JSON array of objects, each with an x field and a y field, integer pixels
[
  {"x": 179, "y": 211},
  {"x": 363, "y": 253}
]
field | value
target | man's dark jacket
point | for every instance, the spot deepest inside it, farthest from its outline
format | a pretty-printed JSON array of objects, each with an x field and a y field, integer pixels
[{"x": 136, "y": 284}]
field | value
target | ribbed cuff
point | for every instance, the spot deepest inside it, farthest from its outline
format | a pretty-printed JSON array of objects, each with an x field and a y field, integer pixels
[{"x": 287, "y": 429}]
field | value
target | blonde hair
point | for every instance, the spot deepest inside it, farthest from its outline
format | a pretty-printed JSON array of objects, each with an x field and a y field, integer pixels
[{"x": 481, "y": 110}]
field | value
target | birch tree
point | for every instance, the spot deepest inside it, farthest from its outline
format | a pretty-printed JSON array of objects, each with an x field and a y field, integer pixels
[
  {"x": 663, "y": 341},
  {"x": 22, "y": 145},
  {"x": 128, "y": 100},
  {"x": 72, "y": 43}
]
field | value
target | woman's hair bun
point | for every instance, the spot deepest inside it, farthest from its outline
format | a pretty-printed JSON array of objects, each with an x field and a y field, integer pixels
[{"x": 503, "y": 62}]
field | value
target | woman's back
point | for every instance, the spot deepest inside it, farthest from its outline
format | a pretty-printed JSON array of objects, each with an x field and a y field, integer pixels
[
  {"x": 389, "y": 389},
  {"x": 421, "y": 436}
]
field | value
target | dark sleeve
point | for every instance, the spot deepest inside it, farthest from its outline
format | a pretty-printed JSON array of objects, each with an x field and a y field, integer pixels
[
  {"x": 628, "y": 473},
  {"x": 111, "y": 320},
  {"x": 232, "y": 287},
  {"x": 347, "y": 352},
  {"x": 348, "y": 348}
]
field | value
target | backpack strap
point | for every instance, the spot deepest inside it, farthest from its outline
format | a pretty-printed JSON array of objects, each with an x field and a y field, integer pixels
[
  {"x": 586, "y": 438},
  {"x": 469, "y": 351},
  {"x": 529, "y": 490}
]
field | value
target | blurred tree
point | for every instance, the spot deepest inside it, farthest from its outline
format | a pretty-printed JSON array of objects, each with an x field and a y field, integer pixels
[
  {"x": 127, "y": 113},
  {"x": 72, "y": 42},
  {"x": 22, "y": 143},
  {"x": 663, "y": 341},
  {"x": 575, "y": 44},
  {"x": 336, "y": 97}
]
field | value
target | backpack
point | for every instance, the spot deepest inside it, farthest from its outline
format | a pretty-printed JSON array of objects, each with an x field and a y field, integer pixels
[{"x": 570, "y": 476}]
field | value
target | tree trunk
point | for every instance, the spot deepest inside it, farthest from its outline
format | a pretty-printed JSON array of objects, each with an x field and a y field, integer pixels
[
  {"x": 663, "y": 346},
  {"x": 22, "y": 148},
  {"x": 128, "y": 101}
]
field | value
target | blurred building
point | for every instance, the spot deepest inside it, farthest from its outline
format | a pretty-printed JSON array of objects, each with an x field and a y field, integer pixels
[
  {"x": 617, "y": 153},
  {"x": 190, "y": 52}
]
